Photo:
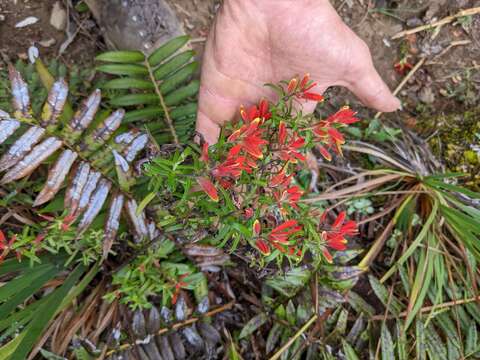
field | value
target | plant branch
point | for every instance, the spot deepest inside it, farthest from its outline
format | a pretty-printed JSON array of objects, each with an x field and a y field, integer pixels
[
  {"x": 304, "y": 328},
  {"x": 444, "y": 21},
  {"x": 429, "y": 308},
  {"x": 162, "y": 102}
]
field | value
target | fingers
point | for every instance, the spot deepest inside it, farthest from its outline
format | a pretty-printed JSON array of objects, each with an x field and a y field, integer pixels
[
  {"x": 209, "y": 129},
  {"x": 365, "y": 82}
]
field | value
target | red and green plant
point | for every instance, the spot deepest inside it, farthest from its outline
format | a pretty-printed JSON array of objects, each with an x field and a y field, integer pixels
[{"x": 245, "y": 190}]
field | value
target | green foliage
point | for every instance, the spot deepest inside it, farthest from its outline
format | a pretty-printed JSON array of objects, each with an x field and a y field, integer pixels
[
  {"x": 160, "y": 88},
  {"x": 21, "y": 329},
  {"x": 56, "y": 237},
  {"x": 162, "y": 272}
]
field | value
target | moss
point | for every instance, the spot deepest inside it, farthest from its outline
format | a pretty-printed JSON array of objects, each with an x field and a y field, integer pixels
[{"x": 456, "y": 142}]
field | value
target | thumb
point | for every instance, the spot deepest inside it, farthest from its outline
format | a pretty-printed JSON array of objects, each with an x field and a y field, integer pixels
[{"x": 369, "y": 87}]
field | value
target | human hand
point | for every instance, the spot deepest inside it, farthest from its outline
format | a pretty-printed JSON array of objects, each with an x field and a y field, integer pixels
[{"x": 254, "y": 42}]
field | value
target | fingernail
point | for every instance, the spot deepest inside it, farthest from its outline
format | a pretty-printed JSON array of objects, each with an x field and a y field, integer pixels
[{"x": 400, "y": 105}]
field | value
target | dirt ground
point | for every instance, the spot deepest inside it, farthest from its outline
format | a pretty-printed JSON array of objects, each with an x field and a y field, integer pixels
[{"x": 450, "y": 78}]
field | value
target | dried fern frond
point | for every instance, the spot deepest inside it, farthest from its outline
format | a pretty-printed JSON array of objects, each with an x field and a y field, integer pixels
[{"x": 90, "y": 157}]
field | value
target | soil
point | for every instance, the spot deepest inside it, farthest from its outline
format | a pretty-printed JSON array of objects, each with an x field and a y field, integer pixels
[{"x": 14, "y": 42}]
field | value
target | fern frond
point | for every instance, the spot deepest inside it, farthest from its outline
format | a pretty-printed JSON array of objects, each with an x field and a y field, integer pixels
[
  {"x": 157, "y": 86},
  {"x": 84, "y": 154}
]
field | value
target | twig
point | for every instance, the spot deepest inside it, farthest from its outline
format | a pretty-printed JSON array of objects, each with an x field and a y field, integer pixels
[
  {"x": 304, "y": 328},
  {"x": 179, "y": 325},
  {"x": 452, "y": 44},
  {"x": 429, "y": 308},
  {"x": 162, "y": 102},
  {"x": 404, "y": 81},
  {"x": 446, "y": 20}
]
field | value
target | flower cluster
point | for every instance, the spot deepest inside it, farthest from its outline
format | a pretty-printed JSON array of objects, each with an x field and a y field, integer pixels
[{"x": 258, "y": 162}]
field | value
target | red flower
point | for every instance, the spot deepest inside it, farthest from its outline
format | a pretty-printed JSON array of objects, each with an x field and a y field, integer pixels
[
  {"x": 257, "y": 228},
  {"x": 290, "y": 151},
  {"x": 292, "y": 85},
  {"x": 263, "y": 247},
  {"x": 282, "y": 232},
  {"x": 254, "y": 112},
  {"x": 291, "y": 195},
  {"x": 178, "y": 287},
  {"x": 402, "y": 66},
  {"x": 208, "y": 187},
  {"x": 335, "y": 237},
  {"x": 204, "y": 157},
  {"x": 248, "y": 213},
  {"x": 328, "y": 256},
  {"x": 345, "y": 116},
  {"x": 250, "y": 140},
  {"x": 311, "y": 96},
  {"x": 3, "y": 241},
  {"x": 232, "y": 167},
  {"x": 324, "y": 153},
  {"x": 280, "y": 179},
  {"x": 282, "y": 133},
  {"x": 328, "y": 134},
  {"x": 67, "y": 221}
]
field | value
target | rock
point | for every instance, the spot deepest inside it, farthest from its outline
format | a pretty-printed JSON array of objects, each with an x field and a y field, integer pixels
[
  {"x": 26, "y": 22},
  {"x": 58, "y": 17},
  {"x": 426, "y": 95},
  {"x": 414, "y": 22},
  {"x": 47, "y": 42},
  {"x": 136, "y": 24}
]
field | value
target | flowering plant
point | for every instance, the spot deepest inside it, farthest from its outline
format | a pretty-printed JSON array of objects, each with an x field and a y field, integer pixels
[{"x": 247, "y": 192}]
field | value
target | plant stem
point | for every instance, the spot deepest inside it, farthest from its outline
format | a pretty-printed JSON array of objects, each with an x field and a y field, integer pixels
[
  {"x": 304, "y": 328},
  {"x": 162, "y": 102}
]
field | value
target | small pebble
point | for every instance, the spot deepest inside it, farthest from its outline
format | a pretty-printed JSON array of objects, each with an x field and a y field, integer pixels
[
  {"x": 26, "y": 22},
  {"x": 58, "y": 17}
]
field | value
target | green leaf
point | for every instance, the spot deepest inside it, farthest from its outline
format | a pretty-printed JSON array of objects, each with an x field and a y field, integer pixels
[
  {"x": 128, "y": 83},
  {"x": 173, "y": 64},
  {"x": 420, "y": 285},
  {"x": 146, "y": 200},
  {"x": 142, "y": 114},
  {"x": 395, "y": 307},
  {"x": 360, "y": 305},
  {"x": 183, "y": 93},
  {"x": 23, "y": 281},
  {"x": 185, "y": 110},
  {"x": 134, "y": 99},
  {"x": 181, "y": 76},
  {"x": 420, "y": 345},
  {"x": 50, "y": 356},
  {"x": 418, "y": 240},
  {"x": 123, "y": 69},
  {"x": 273, "y": 337},
  {"x": 44, "y": 315},
  {"x": 386, "y": 341},
  {"x": 471, "y": 342},
  {"x": 167, "y": 49},
  {"x": 435, "y": 347},
  {"x": 349, "y": 352},
  {"x": 253, "y": 324},
  {"x": 36, "y": 280},
  {"x": 124, "y": 57}
]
